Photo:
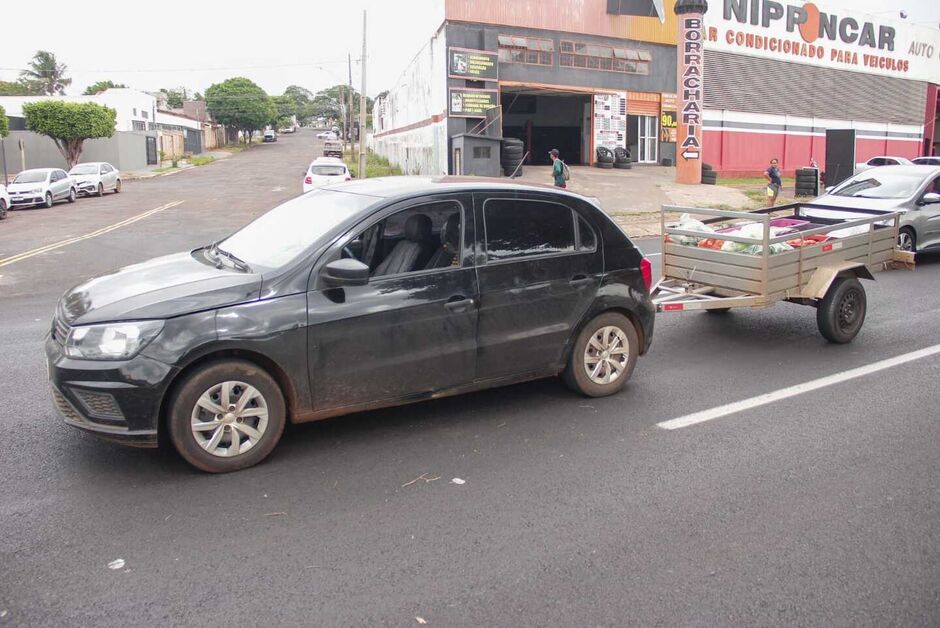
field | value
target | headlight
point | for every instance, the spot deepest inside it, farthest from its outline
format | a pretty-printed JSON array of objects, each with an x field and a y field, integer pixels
[
  {"x": 35, "y": 191},
  {"x": 116, "y": 341}
]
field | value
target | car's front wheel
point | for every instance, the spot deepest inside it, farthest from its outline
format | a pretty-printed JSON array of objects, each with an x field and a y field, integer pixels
[
  {"x": 3, "y": 209},
  {"x": 907, "y": 241},
  {"x": 117, "y": 187},
  {"x": 100, "y": 190},
  {"x": 72, "y": 195},
  {"x": 226, "y": 416},
  {"x": 603, "y": 356}
]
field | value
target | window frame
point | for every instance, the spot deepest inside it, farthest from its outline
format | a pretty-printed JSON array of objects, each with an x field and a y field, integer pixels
[
  {"x": 511, "y": 50},
  {"x": 588, "y": 56},
  {"x": 484, "y": 239}
]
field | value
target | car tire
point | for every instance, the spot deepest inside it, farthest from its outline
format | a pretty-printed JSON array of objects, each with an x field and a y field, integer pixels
[
  {"x": 907, "y": 240},
  {"x": 190, "y": 421},
  {"x": 3, "y": 209},
  {"x": 117, "y": 187},
  {"x": 706, "y": 167},
  {"x": 72, "y": 195},
  {"x": 606, "y": 165},
  {"x": 610, "y": 330},
  {"x": 623, "y": 165},
  {"x": 841, "y": 313},
  {"x": 100, "y": 190},
  {"x": 48, "y": 201}
]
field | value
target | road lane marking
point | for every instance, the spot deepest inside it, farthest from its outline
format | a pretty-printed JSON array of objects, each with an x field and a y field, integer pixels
[
  {"x": 94, "y": 234},
  {"x": 792, "y": 391}
]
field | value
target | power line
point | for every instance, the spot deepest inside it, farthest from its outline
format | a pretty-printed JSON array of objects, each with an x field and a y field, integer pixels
[{"x": 316, "y": 64}]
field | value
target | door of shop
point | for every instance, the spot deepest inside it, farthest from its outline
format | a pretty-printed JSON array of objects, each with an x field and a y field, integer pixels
[{"x": 648, "y": 138}]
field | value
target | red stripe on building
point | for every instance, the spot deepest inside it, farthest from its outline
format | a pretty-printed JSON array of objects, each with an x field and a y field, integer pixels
[{"x": 417, "y": 125}]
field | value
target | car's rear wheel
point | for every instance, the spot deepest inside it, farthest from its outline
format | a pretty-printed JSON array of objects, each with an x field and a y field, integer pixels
[
  {"x": 226, "y": 416},
  {"x": 907, "y": 241},
  {"x": 48, "y": 201},
  {"x": 603, "y": 356}
]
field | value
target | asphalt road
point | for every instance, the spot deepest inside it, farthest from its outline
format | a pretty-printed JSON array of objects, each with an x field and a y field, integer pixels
[{"x": 821, "y": 508}]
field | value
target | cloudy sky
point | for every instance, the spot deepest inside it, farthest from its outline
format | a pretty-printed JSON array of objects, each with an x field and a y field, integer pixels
[{"x": 196, "y": 43}]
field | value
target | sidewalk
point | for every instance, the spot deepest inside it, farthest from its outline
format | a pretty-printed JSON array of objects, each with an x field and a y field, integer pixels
[
  {"x": 160, "y": 171},
  {"x": 633, "y": 197}
]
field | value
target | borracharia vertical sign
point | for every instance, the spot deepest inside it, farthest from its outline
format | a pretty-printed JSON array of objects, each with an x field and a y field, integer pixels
[{"x": 689, "y": 91}]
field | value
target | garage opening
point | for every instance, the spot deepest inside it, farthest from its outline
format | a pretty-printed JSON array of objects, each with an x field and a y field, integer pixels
[{"x": 545, "y": 119}]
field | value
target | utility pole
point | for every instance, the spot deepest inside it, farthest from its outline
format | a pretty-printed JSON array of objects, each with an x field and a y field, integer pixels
[
  {"x": 349, "y": 107},
  {"x": 362, "y": 105}
]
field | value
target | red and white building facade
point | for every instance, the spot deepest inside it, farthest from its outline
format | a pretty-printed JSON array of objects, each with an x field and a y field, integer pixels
[{"x": 778, "y": 74}]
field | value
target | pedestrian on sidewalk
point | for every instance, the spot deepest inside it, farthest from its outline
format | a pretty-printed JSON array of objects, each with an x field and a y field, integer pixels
[
  {"x": 559, "y": 169},
  {"x": 772, "y": 174}
]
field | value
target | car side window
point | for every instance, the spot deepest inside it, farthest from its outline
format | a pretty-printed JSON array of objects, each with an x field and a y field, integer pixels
[
  {"x": 55, "y": 176},
  {"x": 420, "y": 238},
  {"x": 525, "y": 228},
  {"x": 587, "y": 241}
]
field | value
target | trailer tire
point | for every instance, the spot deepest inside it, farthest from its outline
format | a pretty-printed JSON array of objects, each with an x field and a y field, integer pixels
[
  {"x": 619, "y": 331},
  {"x": 841, "y": 313}
]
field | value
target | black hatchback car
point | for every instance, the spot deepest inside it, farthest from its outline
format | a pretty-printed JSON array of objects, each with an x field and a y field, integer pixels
[{"x": 356, "y": 296}]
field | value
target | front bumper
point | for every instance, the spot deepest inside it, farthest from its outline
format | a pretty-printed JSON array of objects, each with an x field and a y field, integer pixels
[
  {"x": 87, "y": 187},
  {"x": 117, "y": 401},
  {"x": 26, "y": 200}
]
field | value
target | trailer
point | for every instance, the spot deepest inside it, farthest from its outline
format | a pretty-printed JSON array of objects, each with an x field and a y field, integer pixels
[{"x": 821, "y": 264}]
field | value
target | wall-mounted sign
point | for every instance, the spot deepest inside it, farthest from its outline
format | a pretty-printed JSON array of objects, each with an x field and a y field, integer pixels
[
  {"x": 473, "y": 65},
  {"x": 471, "y": 103},
  {"x": 839, "y": 38},
  {"x": 610, "y": 121},
  {"x": 668, "y": 119}
]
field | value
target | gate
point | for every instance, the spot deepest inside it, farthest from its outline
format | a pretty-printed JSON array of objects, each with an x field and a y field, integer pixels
[
  {"x": 151, "y": 151},
  {"x": 192, "y": 142}
]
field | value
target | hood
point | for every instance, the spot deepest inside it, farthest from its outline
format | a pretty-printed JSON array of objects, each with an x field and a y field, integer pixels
[
  {"x": 83, "y": 178},
  {"x": 25, "y": 187},
  {"x": 159, "y": 288}
]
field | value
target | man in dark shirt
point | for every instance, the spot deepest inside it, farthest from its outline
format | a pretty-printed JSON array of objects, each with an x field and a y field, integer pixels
[{"x": 774, "y": 182}]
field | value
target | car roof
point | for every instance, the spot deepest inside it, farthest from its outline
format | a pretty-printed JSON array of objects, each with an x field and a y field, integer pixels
[
  {"x": 393, "y": 187},
  {"x": 888, "y": 157},
  {"x": 332, "y": 161},
  {"x": 911, "y": 169},
  {"x": 38, "y": 170},
  {"x": 91, "y": 163}
]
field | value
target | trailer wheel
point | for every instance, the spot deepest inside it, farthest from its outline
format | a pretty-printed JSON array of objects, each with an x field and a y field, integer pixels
[{"x": 841, "y": 313}]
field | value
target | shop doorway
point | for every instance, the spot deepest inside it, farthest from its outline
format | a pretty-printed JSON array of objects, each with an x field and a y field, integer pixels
[
  {"x": 545, "y": 119},
  {"x": 643, "y": 138}
]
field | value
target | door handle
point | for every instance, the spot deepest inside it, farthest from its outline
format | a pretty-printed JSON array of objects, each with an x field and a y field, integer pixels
[
  {"x": 579, "y": 281},
  {"x": 458, "y": 303}
]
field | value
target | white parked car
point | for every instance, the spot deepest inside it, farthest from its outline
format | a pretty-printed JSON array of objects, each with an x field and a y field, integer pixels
[
  {"x": 96, "y": 177},
  {"x": 4, "y": 202},
  {"x": 42, "y": 186},
  {"x": 326, "y": 135},
  {"x": 927, "y": 161},
  {"x": 881, "y": 160},
  {"x": 324, "y": 171}
]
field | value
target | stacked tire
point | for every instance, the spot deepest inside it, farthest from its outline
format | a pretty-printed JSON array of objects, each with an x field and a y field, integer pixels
[
  {"x": 807, "y": 182},
  {"x": 510, "y": 157},
  {"x": 605, "y": 158},
  {"x": 709, "y": 176},
  {"x": 622, "y": 159}
]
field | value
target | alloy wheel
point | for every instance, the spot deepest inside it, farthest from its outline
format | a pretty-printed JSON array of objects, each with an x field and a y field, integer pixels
[
  {"x": 229, "y": 419},
  {"x": 905, "y": 241},
  {"x": 606, "y": 355}
]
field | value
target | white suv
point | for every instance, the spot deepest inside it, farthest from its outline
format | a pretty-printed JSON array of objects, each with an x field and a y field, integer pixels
[{"x": 42, "y": 186}]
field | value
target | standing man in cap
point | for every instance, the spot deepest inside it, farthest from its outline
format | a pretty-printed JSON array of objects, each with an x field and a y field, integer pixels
[{"x": 559, "y": 169}]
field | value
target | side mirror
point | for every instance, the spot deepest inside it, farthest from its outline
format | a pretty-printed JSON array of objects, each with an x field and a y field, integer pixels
[
  {"x": 346, "y": 272},
  {"x": 929, "y": 199}
]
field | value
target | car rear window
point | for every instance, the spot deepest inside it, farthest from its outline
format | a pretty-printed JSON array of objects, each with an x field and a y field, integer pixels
[
  {"x": 524, "y": 228},
  {"x": 328, "y": 171}
]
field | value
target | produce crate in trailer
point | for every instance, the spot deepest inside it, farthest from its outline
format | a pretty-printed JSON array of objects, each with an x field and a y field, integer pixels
[{"x": 732, "y": 259}]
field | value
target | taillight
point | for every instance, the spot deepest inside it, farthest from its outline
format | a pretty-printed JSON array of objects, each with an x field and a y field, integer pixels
[
  {"x": 308, "y": 180},
  {"x": 348, "y": 178},
  {"x": 647, "y": 269}
]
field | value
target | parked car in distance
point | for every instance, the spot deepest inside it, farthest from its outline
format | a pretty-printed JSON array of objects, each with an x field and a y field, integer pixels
[
  {"x": 269, "y": 136},
  {"x": 41, "y": 186},
  {"x": 914, "y": 190},
  {"x": 326, "y": 135},
  {"x": 96, "y": 177},
  {"x": 882, "y": 160},
  {"x": 290, "y": 318},
  {"x": 324, "y": 171},
  {"x": 333, "y": 148},
  {"x": 926, "y": 161},
  {"x": 286, "y": 129},
  {"x": 4, "y": 202}
]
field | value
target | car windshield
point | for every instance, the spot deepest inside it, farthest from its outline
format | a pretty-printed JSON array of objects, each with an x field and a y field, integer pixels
[
  {"x": 84, "y": 169},
  {"x": 880, "y": 185},
  {"x": 283, "y": 233},
  {"x": 30, "y": 177},
  {"x": 328, "y": 171}
]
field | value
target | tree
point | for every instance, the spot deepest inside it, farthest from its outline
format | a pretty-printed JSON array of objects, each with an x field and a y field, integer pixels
[
  {"x": 20, "y": 87},
  {"x": 69, "y": 124},
  {"x": 240, "y": 104},
  {"x": 100, "y": 86},
  {"x": 4, "y": 123},
  {"x": 48, "y": 72},
  {"x": 174, "y": 97}
]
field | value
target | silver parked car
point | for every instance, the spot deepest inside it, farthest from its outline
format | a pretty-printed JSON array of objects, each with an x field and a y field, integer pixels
[
  {"x": 96, "y": 177},
  {"x": 42, "y": 186},
  {"x": 914, "y": 190}
]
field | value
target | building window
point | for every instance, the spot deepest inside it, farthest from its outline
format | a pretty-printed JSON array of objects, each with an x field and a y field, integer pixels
[
  {"x": 600, "y": 57},
  {"x": 529, "y": 50},
  {"x": 138, "y": 125},
  {"x": 135, "y": 111},
  {"x": 143, "y": 114},
  {"x": 481, "y": 152}
]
